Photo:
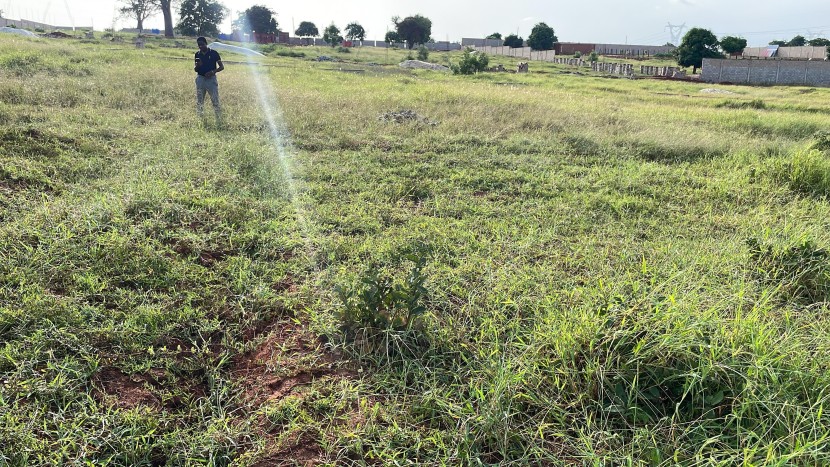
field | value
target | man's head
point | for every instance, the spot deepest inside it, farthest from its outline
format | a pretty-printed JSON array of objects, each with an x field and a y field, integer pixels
[{"x": 202, "y": 42}]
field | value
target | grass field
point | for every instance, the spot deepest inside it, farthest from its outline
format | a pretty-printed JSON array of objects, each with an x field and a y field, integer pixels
[{"x": 543, "y": 269}]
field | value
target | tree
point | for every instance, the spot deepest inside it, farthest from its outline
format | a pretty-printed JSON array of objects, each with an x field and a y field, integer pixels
[
  {"x": 733, "y": 45},
  {"x": 167, "y": 11},
  {"x": 140, "y": 10},
  {"x": 200, "y": 17},
  {"x": 541, "y": 37},
  {"x": 514, "y": 41},
  {"x": 415, "y": 30},
  {"x": 818, "y": 42},
  {"x": 355, "y": 32},
  {"x": 332, "y": 35},
  {"x": 495, "y": 35},
  {"x": 778, "y": 43},
  {"x": 696, "y": 45},
  {"x": 307, "y": 29},
  {"x": 258, "y": 18},
  {"x": 797, "y": 41},
  {"x": 392, "y": 37}
]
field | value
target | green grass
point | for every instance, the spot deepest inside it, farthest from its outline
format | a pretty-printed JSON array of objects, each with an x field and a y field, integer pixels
[{"x": 613, "y": 271}]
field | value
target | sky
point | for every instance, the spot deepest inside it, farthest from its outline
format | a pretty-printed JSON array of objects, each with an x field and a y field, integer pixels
[{"x": 642, "y": 22}]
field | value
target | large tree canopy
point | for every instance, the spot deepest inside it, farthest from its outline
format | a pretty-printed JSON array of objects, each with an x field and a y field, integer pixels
[
  {"x": 307, "y": 29},
  {"x": 392, "y": 37},
  {"x": 140, "y": 10},
  {"x": 355, "y": 32},
  {"x": 514, "y": 41},
  {"x": 332, "y": 35},
  {"x": 413, "y": 29},
  {"x": 258, "y": 18},
  {"x": 733, "y": 45},
  {"x": 697, "y": 44},
  {"x": 200, "y": 17},
  {"x": 797, "y": 41},
  {"x": 541, "y": 37},
  {"x": 495, "y": 35}
]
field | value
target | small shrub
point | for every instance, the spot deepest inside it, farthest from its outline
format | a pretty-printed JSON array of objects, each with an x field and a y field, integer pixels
[
  {"x": 383, "y": 304},
  {"x": 409, "y": 56},
  {"x": 800, "y": 270},
  {"x": 344, "y": 50},
  {"x": 471, "y": 62},
  {"x": 577, "y": 54},
  {"x": 423, "y": 53},
  {"x": 593, "y": 57},
  {"x": 40, "y": 30}
]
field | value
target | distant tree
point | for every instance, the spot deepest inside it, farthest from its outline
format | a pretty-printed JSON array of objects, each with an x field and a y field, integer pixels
[
  {"x": 495, "y": 35},
  {"x": 733, "y": 45},
  {"x": 541, "y": 37},
  {"x": 818, "y": 42},
  {"x": 200, "y": 17},
  {"x": 332, "y": 35},
  {"x": 258, "y": 18},
  {"x": 355, "y": 32},
  {"x": 669, "y": 44},
  {"x": 307, "y": 29},
  {"x": 696, "y": 45},
  {"x": 415, "y": 30},
  {"x": 513, "y": 41},
  {"x": 778, "y": 43},
  {"x": 797, "y": 41},
  {"x": 167, "y": 11},
  {"x": 140, "y": 10},
  {"x": 392, "y": 37}
]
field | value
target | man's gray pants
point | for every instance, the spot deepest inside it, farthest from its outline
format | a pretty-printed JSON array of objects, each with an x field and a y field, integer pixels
[{"x": 210, "y": 86}]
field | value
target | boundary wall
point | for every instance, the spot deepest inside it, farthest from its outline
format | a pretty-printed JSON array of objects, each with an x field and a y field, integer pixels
[
  {"x": 767, "y": 72},
  {"x": 804, "y": 53},
  {"x": 27, "y": 24},
  {"x": 519, "y": 52}
]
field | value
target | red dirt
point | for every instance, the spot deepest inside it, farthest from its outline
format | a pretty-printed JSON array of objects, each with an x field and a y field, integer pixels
[{"x": 126, "y": 391}]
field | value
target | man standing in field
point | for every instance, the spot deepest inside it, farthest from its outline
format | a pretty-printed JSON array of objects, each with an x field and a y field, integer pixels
[{"x": 208, "y": 63}]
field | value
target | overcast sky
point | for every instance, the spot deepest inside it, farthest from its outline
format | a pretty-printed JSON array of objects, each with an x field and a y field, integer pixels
[{"x": 601, "y": 21}]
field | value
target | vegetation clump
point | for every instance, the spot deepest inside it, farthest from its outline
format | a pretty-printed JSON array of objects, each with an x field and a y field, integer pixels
[
  {"x": 471, "y": 62},
  {"x": 799, "y": 271}
]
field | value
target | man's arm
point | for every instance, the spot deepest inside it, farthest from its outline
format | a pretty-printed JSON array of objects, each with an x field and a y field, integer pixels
[{"x": 221, "y": 67}]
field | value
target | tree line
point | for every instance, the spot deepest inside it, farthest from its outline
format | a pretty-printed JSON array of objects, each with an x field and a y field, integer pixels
[{"x": 202, "y": 18}]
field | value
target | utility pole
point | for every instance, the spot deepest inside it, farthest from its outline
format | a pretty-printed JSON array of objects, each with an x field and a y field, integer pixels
[{"x": 676, "y": 32}]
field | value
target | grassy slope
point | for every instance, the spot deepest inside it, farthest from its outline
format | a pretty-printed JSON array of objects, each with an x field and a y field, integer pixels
[{"x": 616, "y": 269}]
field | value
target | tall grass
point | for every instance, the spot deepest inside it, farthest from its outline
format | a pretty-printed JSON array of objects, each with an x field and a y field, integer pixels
[{"x": 606, "y": 271}]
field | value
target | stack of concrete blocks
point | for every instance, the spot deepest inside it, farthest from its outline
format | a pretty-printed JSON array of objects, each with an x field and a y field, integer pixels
[{"x": 665, "y": 71}]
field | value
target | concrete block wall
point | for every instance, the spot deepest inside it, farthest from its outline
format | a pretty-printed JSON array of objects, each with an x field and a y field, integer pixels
[
  {"x": 472, "y": 42},
  {"x": 767, "y": 72},
  {"x": 803, "y": 53},
  {"x": 519, "y": 52},
  {"x": 628, "y": 49},
  {"x": 26, "y": 24}
]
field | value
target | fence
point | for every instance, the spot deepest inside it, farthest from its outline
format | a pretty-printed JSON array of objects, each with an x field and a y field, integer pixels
[
  {"x": 633, "y": 50},
  {"x": 803, "y": 53},
  {"x": 767, "y": 72},
  {"x": 26, "y": 24},
  {"x": 519, "y": 52}
]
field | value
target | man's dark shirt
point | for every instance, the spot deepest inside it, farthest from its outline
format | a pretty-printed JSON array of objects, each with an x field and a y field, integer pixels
[{"x": 208, "y": 61}]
